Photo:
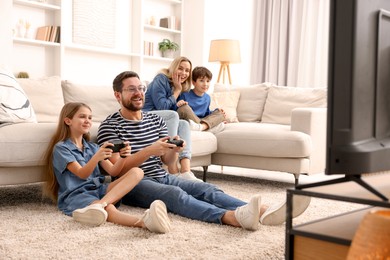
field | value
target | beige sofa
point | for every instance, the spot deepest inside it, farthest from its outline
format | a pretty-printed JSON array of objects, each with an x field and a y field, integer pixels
[
  {"x": 275, "y": 128},
  {"x": 272, "y": 144}
]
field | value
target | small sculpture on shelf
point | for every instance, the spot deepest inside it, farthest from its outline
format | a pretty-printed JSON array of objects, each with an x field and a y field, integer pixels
[
  {"x": 168, "y": 48},
  {"x": 23, "y": 28}
]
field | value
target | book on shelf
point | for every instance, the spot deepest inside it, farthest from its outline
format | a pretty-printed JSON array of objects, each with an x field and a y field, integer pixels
[
  {"x": 53, "y": 33},
  {"x": 48, "y": 33},
  {"x": 148, "y": 48},
  {"x": 42, "y": 33},
  {"x": 58, "y": 38}
]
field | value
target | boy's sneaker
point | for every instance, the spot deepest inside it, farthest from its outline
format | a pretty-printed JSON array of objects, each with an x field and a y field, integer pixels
[
  {"x": 276, "y": 214},
  {"x": 156, "y": 218},
  {"x": 248, "y": 215},
  {"x": 189, "y": 176},
  {"x": 194, "y": 126},
  {"x": 216, "y": 129},
  {"x": 93, "y": 215}
]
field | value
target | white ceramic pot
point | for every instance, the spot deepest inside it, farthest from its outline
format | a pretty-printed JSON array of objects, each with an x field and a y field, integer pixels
[{"x": 168, "y": 54}]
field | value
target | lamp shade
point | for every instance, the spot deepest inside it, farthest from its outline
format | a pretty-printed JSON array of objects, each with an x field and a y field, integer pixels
[{"x": 225, "y": 51}]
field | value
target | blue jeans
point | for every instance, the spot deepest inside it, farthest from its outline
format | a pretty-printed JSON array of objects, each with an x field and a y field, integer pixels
[
  {"x": 178, "y": 127},
  {"x": 195, "y": 200}
]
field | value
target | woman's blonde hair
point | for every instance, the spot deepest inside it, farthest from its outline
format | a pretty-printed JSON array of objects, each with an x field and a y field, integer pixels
[
  {"x": 62, "y": 133},
  {"x": 186, "y": 85}
]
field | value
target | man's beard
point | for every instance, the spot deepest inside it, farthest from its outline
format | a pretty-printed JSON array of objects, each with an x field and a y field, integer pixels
[{"x": 129, "y": 105}]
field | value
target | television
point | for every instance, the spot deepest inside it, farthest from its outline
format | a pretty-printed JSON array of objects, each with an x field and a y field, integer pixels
[{"x": 358, "y": 123}]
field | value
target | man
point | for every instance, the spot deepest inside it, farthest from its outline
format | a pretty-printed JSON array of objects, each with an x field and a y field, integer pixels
[{"x": 148, "y": 136}]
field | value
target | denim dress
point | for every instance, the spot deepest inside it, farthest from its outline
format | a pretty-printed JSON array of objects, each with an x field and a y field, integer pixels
[{"x": 75, "y": 192}]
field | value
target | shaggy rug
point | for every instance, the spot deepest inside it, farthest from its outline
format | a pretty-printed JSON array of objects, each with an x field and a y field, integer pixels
[{"x": 33, "y": 228}]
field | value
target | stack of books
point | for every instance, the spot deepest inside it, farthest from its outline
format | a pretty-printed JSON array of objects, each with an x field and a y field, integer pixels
[
  {"x": 48, "y": 33},
  {"x": 148, "y": 48}
]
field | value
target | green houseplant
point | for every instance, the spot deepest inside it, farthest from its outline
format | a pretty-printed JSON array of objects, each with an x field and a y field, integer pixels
[{"x": 167, "y": 48}]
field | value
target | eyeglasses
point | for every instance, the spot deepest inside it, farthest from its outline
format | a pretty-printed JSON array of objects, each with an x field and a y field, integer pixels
[{"x": 134, "y": 89}]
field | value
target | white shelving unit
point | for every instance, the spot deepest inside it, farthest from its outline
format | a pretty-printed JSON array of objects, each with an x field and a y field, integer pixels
[
  {"x": 91, "y": 63},
  {"x": 155, "y": 10},
  {"x": 36, "y": 57}
]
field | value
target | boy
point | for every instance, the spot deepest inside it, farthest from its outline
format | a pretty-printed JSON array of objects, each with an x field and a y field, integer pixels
[{"x": 194, "y": 105}]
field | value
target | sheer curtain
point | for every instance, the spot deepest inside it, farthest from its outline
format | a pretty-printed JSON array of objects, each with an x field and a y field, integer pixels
[{"x": 291, "y": 42}]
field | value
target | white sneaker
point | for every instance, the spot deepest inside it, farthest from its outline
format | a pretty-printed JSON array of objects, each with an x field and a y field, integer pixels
[
  {"x": 156, "y": 218},
  {"x": 276, "y": 214},
  {"x": 248, "y": 215},
  {"x": 189, "y": 176},
  {"x": 194, "y": 126},
  {"x": 216, "y": 129},
  {"x": 93, "y": 215}
]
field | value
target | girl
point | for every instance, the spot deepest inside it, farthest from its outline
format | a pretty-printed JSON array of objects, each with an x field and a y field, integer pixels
[
  {"x": 75, "y": 181},
  {"x": 161, "y": 99}
]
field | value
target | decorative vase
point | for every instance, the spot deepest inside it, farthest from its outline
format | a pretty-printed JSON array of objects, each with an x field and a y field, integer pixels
[
  {"x": 21, "y": 31},
  {"x": 27, "y": 33},
  {"x": 168, "y": 53}
]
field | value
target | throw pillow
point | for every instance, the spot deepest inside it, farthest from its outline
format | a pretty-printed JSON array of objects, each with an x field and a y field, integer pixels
[
  {"x": 228, "y": 102},
  {"x": 15, "y": 106},
  {"x": 252, "y": 100},
  {"x": 282, "y": 100},
  {"x": 46, "y": 97},
  {"x": 100, "y": 99}
]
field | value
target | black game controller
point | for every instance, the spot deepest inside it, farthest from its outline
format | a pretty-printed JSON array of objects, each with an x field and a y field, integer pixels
[
  {"x": 118, "y": 144},
  {"x": 178, "y": 143}
]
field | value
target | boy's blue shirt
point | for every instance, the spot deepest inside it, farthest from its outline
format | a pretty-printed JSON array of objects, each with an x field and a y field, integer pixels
[{"x": 199, "y": 104}]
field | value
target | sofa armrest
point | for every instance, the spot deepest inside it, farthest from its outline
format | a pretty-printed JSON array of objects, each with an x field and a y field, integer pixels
[{"x": 312, "y": 121}]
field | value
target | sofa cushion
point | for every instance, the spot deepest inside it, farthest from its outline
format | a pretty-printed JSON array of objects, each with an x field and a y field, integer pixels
[
  {"x": 203, "y": 143},
  {"x": 251, "y": 102},
  {"x": 282, "y": 100},
  {"x": 264, "y": 140},
  {"x": 28, "y": 143},
  {"x": 15, "y": 106},
  {"x": 228, "y": 101},
  {"x": 100, "y": 98},
  {"x": 46, "y": 97}
]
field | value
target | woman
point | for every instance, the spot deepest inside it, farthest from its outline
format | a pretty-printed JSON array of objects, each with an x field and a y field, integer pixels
[{"x": 161, "y": 98}]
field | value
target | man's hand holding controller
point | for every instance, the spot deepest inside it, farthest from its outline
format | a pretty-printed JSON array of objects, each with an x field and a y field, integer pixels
[
  {"x": 177, "y": 142},
  {"x": 117, "y": 146}
]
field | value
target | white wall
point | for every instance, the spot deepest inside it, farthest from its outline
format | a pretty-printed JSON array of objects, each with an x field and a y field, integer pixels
[
  {"x": 6, "y": 33},
  {"x": 206, "y": 20}
]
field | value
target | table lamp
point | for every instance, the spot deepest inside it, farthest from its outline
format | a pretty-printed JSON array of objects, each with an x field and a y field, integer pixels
[{"x": 225, "y": 51}]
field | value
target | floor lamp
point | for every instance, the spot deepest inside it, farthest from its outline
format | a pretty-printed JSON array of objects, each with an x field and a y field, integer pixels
[{"x": 225, "y": 51}]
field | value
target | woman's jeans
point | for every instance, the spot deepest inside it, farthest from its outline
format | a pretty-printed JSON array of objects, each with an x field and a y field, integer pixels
[
  {"x": 178, "y": 127},
  {"x": 192, "y": 199}
]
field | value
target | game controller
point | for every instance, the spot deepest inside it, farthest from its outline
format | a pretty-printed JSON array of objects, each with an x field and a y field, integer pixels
[
  {"x": 178, "y": 143},
  {"x": 118, "y": 145}
]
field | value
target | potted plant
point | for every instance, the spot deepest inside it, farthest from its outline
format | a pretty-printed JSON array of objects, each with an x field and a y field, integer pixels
[{"x": 167, "y": 48}]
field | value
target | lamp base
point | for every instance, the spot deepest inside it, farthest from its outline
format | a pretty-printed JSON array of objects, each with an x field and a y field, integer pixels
[{"x": 224, "y": 68}]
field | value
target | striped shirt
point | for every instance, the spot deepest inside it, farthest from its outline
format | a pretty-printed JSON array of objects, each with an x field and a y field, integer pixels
[{"x": 140, "y": 134}]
